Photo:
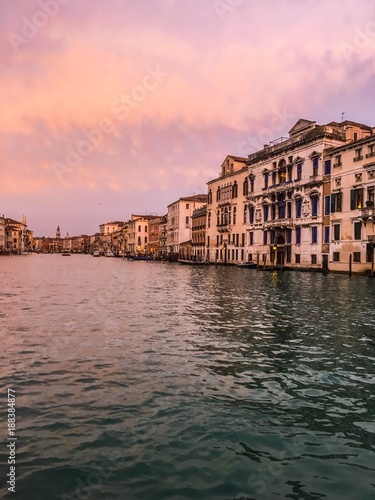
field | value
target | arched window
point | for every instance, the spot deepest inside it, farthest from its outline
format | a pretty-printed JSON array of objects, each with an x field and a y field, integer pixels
[
  {"x": 251, "y": 214},
  {"x": 252, "y": 180},
  {"x": 218, "y": 192},
  {"x": 234, "y": 215},
  {"x": 209, "y": 219},
  {"x": 245, "y": 214},
  {"x": 245, "y": 187},
  {"x": 235, "y": 190},
  {"x": 314, "y": 205}
]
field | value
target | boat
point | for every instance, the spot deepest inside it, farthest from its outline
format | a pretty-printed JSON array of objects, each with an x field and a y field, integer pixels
[
  {"x": 109, "y": 254},
  {"x": 249, "y": 264},
  {"x": 96, "y": 253},
  {"x": 65, "y": 253}
]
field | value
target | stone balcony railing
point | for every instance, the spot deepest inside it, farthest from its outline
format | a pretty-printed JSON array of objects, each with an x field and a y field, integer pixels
[
  {"x": 368, "y": 213},
  {"x": 287, "y": 222}
]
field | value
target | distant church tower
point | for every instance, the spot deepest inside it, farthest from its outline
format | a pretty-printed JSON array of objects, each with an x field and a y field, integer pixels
[{"x": 58, "y": 232}]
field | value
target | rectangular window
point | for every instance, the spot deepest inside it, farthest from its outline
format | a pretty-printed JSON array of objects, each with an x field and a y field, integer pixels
[
  {"x": 298, "y": 258},
  {"x": 298, "y": 208},
  {"x": 370, "y": 196},
  {"x": 298, "y": 235},
  {"x": 315, "y": 165},
  {"x": 187, "y": 206},
  {"x": 265, "y": 237},
  {"x": 289, "y": 209},
  {"x": 326, "y": 234},
  {"x": 208, "y": 241},
  {"x": 327, "y": 205},
  {"x": 251, "y": 238},
  {"x": 272, "y": 237},
  {"x": 266, "y": 180},
  {"x": 288, "y": 234},
  {"x": 358, "y": 155},
  {"x": 282, "y": 210},
  {"x": 299, "y": 171},
  {"x": 338, "y": 162},
  {"x": 187, "y": 220},
  {"x": 217, "y": 240},
  {"x": 251, "y": 215},
  {"x": 250, "y": 257},
  {"x": 314, "y": 234},
  {"x": 357, "y": 230},
  {"x": 356, "y": 256},
  {"x": 242, "y": 239},
  {"x": 336, "y": 256},
  {"x": 314, "y": 259},
  {"x": 336, "y": 202},
  {"x": 265, "y": 213},
  {"x": 314, "y": 206},
  {"x": 336, "y": 232},
  {"x": 327, "y": 167},
  {"x": 356, "y": 199}
]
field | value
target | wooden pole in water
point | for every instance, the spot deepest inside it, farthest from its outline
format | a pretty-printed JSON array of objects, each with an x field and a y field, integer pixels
[{"x": 350, "y": 264}]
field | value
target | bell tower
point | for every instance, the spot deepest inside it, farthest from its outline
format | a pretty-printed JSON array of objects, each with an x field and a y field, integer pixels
[{"x": 58, "y": 232}]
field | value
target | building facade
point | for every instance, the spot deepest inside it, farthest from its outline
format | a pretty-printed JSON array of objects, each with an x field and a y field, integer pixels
[
  {"x": 351, "y": 231},
  {"x": 2, "y": 235},
  {"x": 179, "y": 222},
  {"x": 289, "y": 185},
  {"x": 227, "y": 212},
  {"x": 198, "y": 233}
]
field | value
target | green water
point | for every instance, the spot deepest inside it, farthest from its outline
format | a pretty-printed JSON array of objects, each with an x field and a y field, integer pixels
[{"x": 138, "y": 380}]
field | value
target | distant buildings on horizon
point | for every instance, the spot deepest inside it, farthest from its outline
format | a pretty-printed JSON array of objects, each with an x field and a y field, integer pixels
[{"x": 303, "y": 202}]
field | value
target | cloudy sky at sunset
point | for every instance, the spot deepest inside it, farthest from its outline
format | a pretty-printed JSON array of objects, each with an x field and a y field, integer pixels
[{"x": 115, "y": 107}]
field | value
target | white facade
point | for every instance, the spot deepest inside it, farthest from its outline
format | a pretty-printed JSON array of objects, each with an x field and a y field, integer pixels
[
  {"x": 287, "y": 205},
  {"x": 227, "y": 212},
  {"x": 179, "y": 221}
]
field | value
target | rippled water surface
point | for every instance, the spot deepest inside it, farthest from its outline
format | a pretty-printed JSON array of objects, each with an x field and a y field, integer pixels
[{"x": 139, "y": 380}]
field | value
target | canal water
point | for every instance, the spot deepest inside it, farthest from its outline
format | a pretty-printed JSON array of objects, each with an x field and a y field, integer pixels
[{"x": 138, "y": 380}]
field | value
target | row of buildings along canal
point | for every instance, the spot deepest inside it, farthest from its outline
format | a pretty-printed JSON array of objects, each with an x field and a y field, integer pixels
[{"x": 302, "y": 202}]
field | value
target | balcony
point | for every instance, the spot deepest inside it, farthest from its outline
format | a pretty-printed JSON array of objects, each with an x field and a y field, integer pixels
[
  {"x": 358, "y": 158},
  {"x": 368, "y": 213},
  {"x": 370, "y": 155},
  {"x": 224, "y": 228},
  {"x": 287, "y": 222}
]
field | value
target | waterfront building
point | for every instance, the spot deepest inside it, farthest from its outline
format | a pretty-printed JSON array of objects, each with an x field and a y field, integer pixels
[
  {"x": 198, "y": 233},
  {"x": 138, "y": 239},
  {"x": 351, "y": 230},
  {"x": 162, "y": 250},
  {"x": 290, "y": 182},
  {"x": 227, "y": 212},
  {"x": 155, "y": 236},
  {"x": 179, "y": 222},
  {"x": 16, "y": 239},
  {"x": 106, "y": 235},
  {"x": 2, "y": 234}
]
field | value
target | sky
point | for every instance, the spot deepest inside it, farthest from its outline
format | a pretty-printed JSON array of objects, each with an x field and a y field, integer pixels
[{"x": 119, "y": 107}]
